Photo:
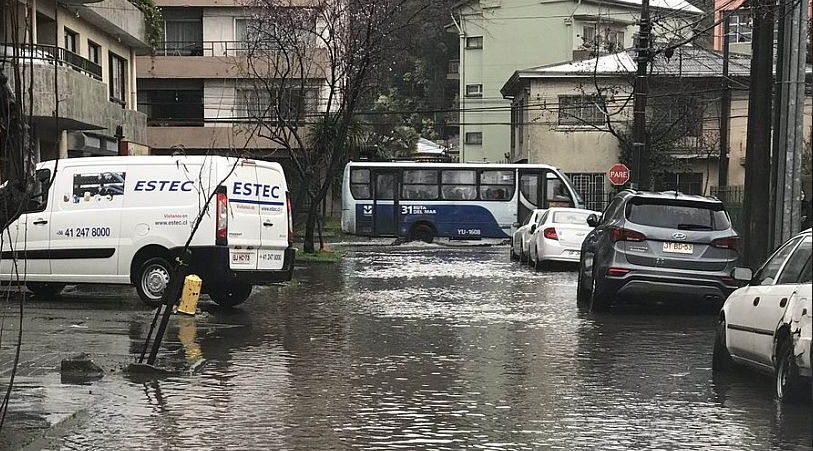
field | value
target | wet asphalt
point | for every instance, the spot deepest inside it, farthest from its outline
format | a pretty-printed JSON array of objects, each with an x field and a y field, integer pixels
[{"x": 417, "y": 347}]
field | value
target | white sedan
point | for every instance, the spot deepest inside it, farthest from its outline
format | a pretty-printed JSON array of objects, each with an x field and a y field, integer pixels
[
  {"x": 558, "y": 236},
  {"x": 519, "y": 241},
  {"x": 766, "y": 325}
]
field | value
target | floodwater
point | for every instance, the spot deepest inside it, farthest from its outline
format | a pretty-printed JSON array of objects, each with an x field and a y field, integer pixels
[{"x": 429, "y": 347}]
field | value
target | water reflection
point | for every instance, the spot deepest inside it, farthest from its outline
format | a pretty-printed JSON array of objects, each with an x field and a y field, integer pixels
[{"x": 436, "y": 348}]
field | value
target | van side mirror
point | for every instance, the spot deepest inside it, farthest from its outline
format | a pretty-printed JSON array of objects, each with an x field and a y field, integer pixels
[
  {"x": 533, "y": 228},
  {"x": 742, "y": 274},
  {"x": 592, "y": 220}
]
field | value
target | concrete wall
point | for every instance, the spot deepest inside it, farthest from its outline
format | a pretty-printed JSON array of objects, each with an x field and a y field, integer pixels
[{"x": 517, "y": 35}]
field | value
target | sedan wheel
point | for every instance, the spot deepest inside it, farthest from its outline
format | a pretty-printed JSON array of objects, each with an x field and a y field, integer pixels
[
  {"x": 787, "y": 380},
  {"x": 721, "y": 358}
]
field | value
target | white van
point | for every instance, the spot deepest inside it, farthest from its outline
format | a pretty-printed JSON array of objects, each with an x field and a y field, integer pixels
[{"x": 123, "y": 220}]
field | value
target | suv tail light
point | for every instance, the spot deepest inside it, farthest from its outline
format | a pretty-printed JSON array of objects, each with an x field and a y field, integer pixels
[
  {"x": 222, "y": 220},
  {"x": 619, "y": 234},
  {"x": 730, "y": 242},
  {"x": 550, "y": 233},
  {"x": 290, "y": 220}
]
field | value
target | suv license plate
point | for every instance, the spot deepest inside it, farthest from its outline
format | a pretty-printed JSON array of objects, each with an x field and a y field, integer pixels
[{"x": 678, "y": 248}]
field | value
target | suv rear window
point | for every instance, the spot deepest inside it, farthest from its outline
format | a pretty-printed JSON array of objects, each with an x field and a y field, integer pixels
[{"x": 681, "y": 215}]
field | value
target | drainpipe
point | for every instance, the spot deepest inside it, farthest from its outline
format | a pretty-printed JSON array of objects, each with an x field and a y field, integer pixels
[{"x": 461, "y": 87}]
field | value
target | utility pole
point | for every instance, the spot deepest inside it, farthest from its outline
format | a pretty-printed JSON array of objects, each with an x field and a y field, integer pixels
[
  {"x": 725, "y": 110},
  {"x": 788, "y": 144},
  {"x": 758, "y": 144},
  {"x": 640, "y": 153}
]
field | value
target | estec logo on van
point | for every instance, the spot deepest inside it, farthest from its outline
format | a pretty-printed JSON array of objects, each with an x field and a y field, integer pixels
[
  {"x": 266, "y": 196},
  {"x": 163, "y": 185}
]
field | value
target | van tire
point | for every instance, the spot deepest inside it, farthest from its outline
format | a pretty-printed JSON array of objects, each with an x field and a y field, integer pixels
[
  {"x": 422, "y": 232},
  {"x": 45, "y": 289},
  {"x": 230, "y": 295},
  {"x": 153, "y": 279}
]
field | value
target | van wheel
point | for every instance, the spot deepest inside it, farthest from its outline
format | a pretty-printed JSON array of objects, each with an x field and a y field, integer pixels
[
  {"x": 231, "y": 294},
  {"x": 153, "y": 280},
  {"x": 422, "y": 232},
  {"x": 45, "y": 289}
]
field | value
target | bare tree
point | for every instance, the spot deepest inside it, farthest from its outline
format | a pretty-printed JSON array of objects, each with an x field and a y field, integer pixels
[{"x": 310, "y": 66}]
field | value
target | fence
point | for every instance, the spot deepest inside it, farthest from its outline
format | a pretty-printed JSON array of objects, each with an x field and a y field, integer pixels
[
  {"x": 592, "y": 187},
  {"x": 733, "y": 198}
]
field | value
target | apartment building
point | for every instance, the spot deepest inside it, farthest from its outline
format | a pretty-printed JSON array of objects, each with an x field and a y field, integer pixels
[
  {"x": 197, "y": 90},
  {"x": 498, "y": 37},
  {"x": 78, "y": 58}
]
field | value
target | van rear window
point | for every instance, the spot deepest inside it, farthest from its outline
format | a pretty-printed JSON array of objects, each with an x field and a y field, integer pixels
[{"x": 680, "y": 215}]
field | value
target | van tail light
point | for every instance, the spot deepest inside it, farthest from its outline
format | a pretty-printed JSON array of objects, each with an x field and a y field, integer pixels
[
  {"x": 550, "y": 233},
  {"x": 617, "y": 272},
  {"x": 619, "y": 234},
  {"x": 730, "y": 242},
  {"x": 290, "y": 221},
  {"x": 222, "y": 220}
]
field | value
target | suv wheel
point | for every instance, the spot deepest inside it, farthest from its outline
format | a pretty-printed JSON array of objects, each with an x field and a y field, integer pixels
[
  {"x": 600, "y": 301},
  {"x": 582, "y": 293}
]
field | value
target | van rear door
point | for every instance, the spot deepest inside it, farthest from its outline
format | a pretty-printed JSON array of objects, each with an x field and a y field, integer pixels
[
  {"x": 243, "y": 192},
  {"x": 273, "y": 216}
]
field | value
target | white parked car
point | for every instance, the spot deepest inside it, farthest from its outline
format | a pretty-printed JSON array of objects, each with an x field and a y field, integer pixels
[
  {"x": 521, "y": 237},
  {"x": 558, "y": 236},
  {"x": 766, "y": 325}
]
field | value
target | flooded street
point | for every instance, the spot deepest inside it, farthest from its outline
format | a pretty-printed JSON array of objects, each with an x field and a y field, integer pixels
[{"x": 431, "y": 347}]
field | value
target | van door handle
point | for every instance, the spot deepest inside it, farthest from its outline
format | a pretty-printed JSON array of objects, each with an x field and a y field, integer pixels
[
  {"x": 756, "y": 301},
  {"x": 783, "y": 302},
  {"x": 268, "y": 224},
  {"x": 40, "y": 222}
]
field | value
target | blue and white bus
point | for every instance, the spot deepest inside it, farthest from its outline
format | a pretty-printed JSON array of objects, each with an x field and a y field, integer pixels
[{"x": 421, "y": 201}]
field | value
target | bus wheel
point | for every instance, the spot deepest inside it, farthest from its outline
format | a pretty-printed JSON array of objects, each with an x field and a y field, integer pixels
[{"x": 422, "y": 232}]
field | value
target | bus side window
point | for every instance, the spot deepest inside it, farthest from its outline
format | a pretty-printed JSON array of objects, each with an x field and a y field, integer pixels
[
  {"x": 360, "y": 183},
  {"x": 557, "y": 194},
  {"x": 459, "y": 184},
  {"x": 497, "y": 185}
]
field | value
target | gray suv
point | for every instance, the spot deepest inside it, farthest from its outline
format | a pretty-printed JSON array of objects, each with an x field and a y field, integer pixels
[{"x": 658, "y": 246}]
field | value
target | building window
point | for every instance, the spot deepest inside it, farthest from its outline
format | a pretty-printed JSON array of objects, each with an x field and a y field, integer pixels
[
  {"x": 171, "y": 102},
  {"x": 474, "y": 90},
  {"x": 94, "y": 52},
  {"x": 118, "y": 78},
  {"x": 474, "y": 42},
  {"x": 740, "y": 26},
  {"x": 606, "y": 39},
  {"x": 267, "y": 104},
  {"x": 474, "y": 138},
  {"x": 580, "y": 110},
  {"x": 71, "y": 40}
]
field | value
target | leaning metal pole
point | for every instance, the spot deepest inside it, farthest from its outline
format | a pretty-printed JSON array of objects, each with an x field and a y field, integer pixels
[{"x": 788, "y": 143}]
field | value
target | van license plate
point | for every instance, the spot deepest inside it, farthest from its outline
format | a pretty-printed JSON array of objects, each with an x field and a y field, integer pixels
[
  {"x": 678, "y": 248},
  {"x": 241, "y": 258}
]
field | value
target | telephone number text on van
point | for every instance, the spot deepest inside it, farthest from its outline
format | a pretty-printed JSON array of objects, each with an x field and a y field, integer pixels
[{"x": 84, "y": 232}]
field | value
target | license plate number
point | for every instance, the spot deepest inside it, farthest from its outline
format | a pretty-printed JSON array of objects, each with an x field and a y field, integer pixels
[
  {"x": 678, "y": 248},
  {"x": 241, "y": 258}
]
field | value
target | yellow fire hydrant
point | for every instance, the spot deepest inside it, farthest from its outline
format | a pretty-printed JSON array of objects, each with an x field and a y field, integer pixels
[{"x": 191, "y": 294}]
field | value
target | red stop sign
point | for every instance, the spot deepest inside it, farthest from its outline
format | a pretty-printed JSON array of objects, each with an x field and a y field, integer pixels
[{"x": 619, "y": 174}]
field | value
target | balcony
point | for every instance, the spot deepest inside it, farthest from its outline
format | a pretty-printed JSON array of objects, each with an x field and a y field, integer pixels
[
  {"x": 83, "y": 98},
  {"x": 215, "y": 59},
  {"x": 119, "y": 18},
  {"x": 38, "y": 54}
]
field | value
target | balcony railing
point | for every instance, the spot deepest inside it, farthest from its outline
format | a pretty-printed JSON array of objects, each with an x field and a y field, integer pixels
[
  {"x": 208, "y": 48},
  {"x": 49, "y": 54}
]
